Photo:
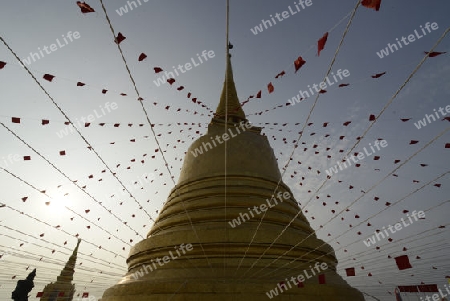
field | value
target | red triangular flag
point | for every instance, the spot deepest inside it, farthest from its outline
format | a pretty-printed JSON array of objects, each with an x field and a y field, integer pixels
[
  {"x": 431, "y": 54},
  {"x": 350, "y": 271},
  {"x": 2, "y": 64},
  {"x": 298, "y": 63},
  {"x": 142, "y": 57},
  {"x": 321, "y": 43},
  {"x": 378, "y": 75},
  {"x": 258, "y": 95},
  {"x": 48, "y": 77},
  {"x": 157, "y": 69},
  {"x": 120, "y": 38},
  {"x": 270, "y": 87},
  {"x": 280, "y": 74},
  {"x": 375, "y": 4},
  {"x": 85, "y": 8},
  {"x": 403, "y": 262}
]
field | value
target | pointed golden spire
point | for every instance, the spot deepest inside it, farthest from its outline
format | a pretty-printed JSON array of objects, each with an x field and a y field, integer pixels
[
  {"x": 69, "y": 269},
  {"x": 229, "y": 91},
  {"x": 229, "y": 105},
  {"x": 63, "y": 289}
]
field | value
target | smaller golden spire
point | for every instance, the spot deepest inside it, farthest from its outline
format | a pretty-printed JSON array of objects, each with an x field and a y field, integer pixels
[
  {"x": 63, "y": 289},
  {"x": 69, "y": 269}
]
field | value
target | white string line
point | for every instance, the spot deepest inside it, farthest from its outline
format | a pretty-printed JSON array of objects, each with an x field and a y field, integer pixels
[{"x": 181, "y": 286}]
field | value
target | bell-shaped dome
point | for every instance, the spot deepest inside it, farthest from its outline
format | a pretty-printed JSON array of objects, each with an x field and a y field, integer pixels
[{"x": 231, "y": 229}]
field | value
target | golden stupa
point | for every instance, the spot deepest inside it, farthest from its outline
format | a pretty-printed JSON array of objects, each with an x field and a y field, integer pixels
[{"x": 194, "y": 253}]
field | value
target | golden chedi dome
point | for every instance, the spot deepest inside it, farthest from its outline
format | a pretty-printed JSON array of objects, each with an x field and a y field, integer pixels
[{"x": 234, "y": 233}]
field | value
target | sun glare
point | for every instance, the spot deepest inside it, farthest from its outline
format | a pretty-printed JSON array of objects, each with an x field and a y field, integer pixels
[{"x": 57, "y": 205}]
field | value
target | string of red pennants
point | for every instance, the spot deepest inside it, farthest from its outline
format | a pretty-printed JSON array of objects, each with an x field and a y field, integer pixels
[
  {"x": 50, "y": 78},
  {"x": 18, "y": 120}
]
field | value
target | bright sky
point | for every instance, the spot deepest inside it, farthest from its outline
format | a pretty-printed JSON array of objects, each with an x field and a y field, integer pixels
[{"x": 174, "y": 32}]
